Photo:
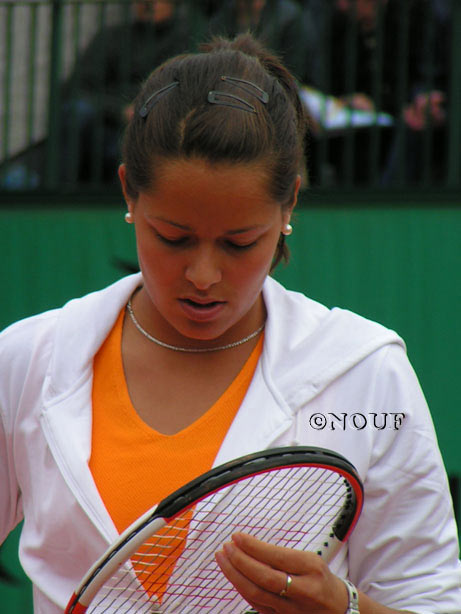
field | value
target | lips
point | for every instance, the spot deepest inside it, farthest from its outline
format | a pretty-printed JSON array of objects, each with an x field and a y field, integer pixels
[
  {"x": 200, "y": 303},
  {"x": 200, "y": 309}
]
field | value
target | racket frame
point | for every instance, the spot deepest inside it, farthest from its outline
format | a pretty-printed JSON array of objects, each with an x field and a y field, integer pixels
[{"x": 196, "y": 490}]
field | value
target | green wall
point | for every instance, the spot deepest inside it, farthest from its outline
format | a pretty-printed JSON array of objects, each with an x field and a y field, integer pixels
[{"x": 398, "y": 263}]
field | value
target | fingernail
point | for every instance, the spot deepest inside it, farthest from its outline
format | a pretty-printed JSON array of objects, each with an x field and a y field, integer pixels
[
  {"x": 219, "y": 556},
  {"x": 228, "y": 549}
]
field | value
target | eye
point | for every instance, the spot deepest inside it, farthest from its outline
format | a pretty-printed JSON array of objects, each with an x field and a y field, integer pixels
[
  {"x": 171, "y": 242},
  {"x": 240, "y": 246}
]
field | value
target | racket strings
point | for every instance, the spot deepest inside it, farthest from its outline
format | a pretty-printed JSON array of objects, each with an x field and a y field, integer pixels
[
  {"x": 175, "y": 570},
  {"x": 201, "y": 578}
]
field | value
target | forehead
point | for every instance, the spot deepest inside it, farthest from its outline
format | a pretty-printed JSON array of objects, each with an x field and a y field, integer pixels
[{"x": 201, "y": 186}]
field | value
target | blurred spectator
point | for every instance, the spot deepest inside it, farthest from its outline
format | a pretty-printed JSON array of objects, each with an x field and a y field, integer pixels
[
  {"x": 360, "y": 61},
  {"x": 421, "y": 143},
  {"x": 372, "y": 55},
  {"x": 353, "y": 29},
  {"x": 280, "y": 24},
  {"x": 97, "y": 96}
]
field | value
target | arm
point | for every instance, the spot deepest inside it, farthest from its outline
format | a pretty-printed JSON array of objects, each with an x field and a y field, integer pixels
[
  {"x": 10, "y": 508},
  {"x": 16, "y": 347}
]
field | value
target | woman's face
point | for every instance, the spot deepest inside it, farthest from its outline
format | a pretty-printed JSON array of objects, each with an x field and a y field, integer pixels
[
  {"x": 206, "y": 236},
  {"x": 156, "y": 11}
]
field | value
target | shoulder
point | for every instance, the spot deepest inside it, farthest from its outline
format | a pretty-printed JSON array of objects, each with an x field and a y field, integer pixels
[
  {"x": 20, "y": 338},
  {"x": 25, "y": 351},
  {"x": 71, "y": 329},
  {"x": 44, "y": 323},
  {"x": 298, "y": 317},
  {"x": 309, "y": 346},
  {"x": 282, "y": 303}
]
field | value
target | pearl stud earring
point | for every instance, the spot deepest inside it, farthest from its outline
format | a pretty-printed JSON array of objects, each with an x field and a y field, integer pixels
[
  {"x": 128, "y": 217},
  {"x": 287, "y": 230}
]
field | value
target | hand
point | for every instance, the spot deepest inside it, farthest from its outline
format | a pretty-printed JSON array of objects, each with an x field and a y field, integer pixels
[
  {"x": 359, "y": 102},
  {"x": 423, "y": 106},
  {"x": 259, "y": 572}
]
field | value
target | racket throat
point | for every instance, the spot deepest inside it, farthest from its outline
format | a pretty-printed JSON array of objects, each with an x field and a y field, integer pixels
[{"x": 330, "y": 548}]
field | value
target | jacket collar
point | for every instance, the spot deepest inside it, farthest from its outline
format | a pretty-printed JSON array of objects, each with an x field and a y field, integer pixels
[
  {"x": 66, "y": 420},
  {"x": 82, "y": 327},
  {"x": 306, "y": 348}
]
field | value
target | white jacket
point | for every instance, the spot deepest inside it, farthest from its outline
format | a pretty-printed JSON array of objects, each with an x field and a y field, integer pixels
[{"x": 318, "y": 367}]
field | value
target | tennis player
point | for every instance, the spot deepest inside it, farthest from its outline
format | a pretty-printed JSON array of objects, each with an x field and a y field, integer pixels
[{"x": 118, "y": 398}]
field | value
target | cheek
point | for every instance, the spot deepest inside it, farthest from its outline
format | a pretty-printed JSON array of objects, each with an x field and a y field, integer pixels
[
  {"x": 252, "y": 271},
  {"x": 158, "y": 269}
]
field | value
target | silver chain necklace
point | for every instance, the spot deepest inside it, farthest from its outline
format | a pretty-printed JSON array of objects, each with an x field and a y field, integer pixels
[{"x": 192, "y": 350}]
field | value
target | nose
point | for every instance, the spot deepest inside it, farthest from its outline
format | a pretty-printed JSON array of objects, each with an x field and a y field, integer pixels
[{"x": 203, "y": 269}]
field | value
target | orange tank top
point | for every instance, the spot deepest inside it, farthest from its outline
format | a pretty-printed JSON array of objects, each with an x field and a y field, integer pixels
[{"x": 134, "y": 466}]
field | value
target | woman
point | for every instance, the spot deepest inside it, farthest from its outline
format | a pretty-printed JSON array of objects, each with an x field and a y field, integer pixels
[{"x": 118, "y": 398}]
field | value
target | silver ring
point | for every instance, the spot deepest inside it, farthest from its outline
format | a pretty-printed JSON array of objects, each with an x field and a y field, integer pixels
[{"x": 283, "y": 593}]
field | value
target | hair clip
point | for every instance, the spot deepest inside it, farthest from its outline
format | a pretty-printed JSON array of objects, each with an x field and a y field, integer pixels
[
  {"x": 155, "y": 97},
  {"x": 215, "y": 97},
  {"x": 260, "y": 94}
]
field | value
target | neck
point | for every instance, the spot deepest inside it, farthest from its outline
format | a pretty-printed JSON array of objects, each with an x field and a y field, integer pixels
[{"x": 204, "y": 347}]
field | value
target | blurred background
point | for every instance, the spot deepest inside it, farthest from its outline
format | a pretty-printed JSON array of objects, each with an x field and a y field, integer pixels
[{"x": 378, "y": 227}]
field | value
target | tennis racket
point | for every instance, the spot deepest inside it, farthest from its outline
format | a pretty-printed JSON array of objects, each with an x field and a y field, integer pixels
[{"x": 297, "y": 497}]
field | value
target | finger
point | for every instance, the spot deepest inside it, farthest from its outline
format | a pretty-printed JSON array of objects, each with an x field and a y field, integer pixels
[
  {"x": 259, "y": 573},
  {"x": 262, "y": 585},
  {"x": 270, "y": 584},
  {"x": 285, "y": 559},
  {"x": 257, "y": 597}
]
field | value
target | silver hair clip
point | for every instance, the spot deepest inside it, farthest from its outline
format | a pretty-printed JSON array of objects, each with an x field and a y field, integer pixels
[
  {"x": 230, "y": 100},
  {"x": 252, "y": 89},
  {"x": 155, "y": 97}
]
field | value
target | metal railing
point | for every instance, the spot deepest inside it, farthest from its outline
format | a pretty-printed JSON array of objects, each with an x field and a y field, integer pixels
[{"x": 61, "y": 118}]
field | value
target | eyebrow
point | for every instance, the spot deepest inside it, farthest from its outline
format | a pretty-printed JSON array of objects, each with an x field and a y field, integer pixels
[
  {"x": 167, "y": 221},
  {"x": 238, "y": 231},
  {"x": 235, "y": 231}
]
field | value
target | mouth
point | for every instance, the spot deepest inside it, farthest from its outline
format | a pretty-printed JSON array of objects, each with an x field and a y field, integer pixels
[
  {"x": 200, "y": 304},
  {"x": 201, "y": 309}
]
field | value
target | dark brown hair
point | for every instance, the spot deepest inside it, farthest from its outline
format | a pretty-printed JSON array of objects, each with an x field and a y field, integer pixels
[{"x": 182, "y": 123}]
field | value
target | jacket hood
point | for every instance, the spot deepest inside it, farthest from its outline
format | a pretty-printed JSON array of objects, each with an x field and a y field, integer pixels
[{"x": 326, "y": 342}]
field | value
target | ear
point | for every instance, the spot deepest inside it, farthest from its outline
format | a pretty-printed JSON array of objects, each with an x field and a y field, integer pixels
[
  {"x": 289, "y": 210},
  {"x": 296, "y": 191},
  {"x": 122, "y": 176}
]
